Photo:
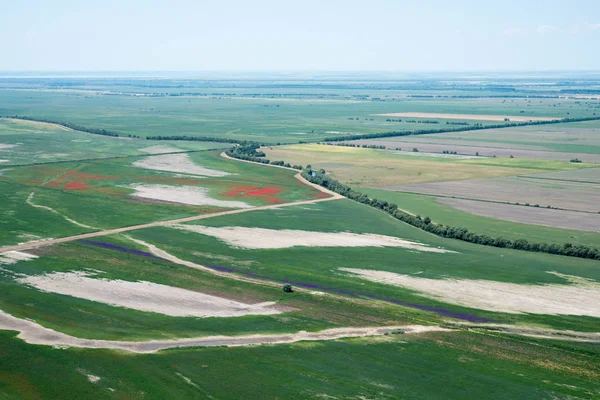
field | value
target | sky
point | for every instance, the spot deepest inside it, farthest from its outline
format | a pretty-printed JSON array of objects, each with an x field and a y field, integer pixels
[{"x": 306, "y": 35}]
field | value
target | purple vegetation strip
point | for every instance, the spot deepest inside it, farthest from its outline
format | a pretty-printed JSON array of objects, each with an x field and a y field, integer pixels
[
  {"x": 440, "y": 311},
  {"x": 119, "y": 248}
]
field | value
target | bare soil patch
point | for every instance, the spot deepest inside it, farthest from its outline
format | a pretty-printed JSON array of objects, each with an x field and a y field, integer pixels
[
  {"x": 180, "y": 162},
  {"x": 259, "y": 238},
  {"x": 191, "y": 195},
  {"x": 528, "y": 215},
  {"x": 578, "y": 296},
  {"x": 145, "y": 296},
  {"x": 477, "y": 117}
]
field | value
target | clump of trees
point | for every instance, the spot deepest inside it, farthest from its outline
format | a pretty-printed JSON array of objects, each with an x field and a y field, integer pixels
[
  {"x": 575, "y": 160},
  {"x": 449, "y": 152},
  {"x": 250, "y": 151},
  {"x": 287, "y": 288},
  {"x": 446, "y": 231}
]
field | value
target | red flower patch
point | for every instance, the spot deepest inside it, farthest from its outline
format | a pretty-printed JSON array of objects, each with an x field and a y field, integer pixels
[
  {"x": 77, "y": 186},
  {"x": 75, "y": 180},
  {"x": 266, "y": 191},
  {"x": 268, "y": 194}
]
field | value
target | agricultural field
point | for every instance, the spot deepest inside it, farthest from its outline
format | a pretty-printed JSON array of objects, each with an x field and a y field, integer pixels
[
  {"x": 438, "y": 210},
  {"x": 134, "y": 268},
  {"x": 561, "y": 142},
  {"x": 380, "y": 168}
]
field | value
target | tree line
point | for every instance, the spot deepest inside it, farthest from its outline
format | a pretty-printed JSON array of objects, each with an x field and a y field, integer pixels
[
  {"x": 453, "y": 232},
  {"x": 457, "y": 129}
]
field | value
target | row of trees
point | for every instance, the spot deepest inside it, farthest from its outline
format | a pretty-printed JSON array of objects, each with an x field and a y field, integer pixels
[
  {"x": 453, "y": 232},
  {"x": 457, "y": 129}
]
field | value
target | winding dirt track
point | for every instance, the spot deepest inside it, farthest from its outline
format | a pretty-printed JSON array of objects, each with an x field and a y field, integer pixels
[
  {"x": 34, "y": 333},
  {"x": 49, "y": 242}
]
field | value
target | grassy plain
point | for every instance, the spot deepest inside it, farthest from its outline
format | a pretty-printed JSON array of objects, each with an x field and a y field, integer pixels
[{"x": 276, "y": 116}]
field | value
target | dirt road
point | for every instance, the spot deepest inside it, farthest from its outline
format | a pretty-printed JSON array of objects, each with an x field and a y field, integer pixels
[{"x": 33, "y": 333}]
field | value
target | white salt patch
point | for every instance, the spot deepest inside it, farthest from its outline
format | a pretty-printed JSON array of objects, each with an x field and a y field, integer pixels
[
  {"x": 13, "y": 257},
  {"x": 159, "y": 149},
  {"x": 259, "y": 238},
  {"x": 177, "y": 163},
  {"x": 192, "y": 195},
  {"x": 144, "y": 296},
  {"x": 1, "y": 161},
  {"x": 580, "y": 297}
]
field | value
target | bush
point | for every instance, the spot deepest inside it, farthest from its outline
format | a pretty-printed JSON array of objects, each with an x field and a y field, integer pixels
[{"x": 287, "y": 288}]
